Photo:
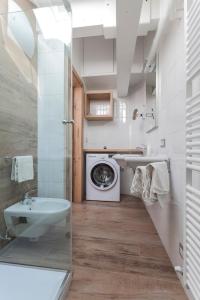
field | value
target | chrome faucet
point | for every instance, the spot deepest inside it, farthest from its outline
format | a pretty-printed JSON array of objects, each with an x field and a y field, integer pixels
[
  {"x": 27, "y": 198},
  {"x": 144, "y": 149}
]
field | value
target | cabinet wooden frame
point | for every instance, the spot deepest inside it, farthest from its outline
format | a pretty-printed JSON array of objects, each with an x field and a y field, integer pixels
[
  {"x": 99, "y": 96},
  {"x": 78, "y": 153}
]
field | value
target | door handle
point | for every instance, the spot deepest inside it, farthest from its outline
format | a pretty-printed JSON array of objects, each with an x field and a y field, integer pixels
[{"x": 66, "y": 122}]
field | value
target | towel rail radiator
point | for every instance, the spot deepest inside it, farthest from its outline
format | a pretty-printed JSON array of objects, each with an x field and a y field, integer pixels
[{"x": 191, "y": 270}]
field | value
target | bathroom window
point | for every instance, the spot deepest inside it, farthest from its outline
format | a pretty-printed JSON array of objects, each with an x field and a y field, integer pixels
[
  {"x": 19, "y": 29},
  {"x": 100, "y": 109}
]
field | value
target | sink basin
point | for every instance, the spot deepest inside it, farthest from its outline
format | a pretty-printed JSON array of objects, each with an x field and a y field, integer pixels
[
  {"x": 133, "y": 161},
  {"x": 34, "y": 219}
]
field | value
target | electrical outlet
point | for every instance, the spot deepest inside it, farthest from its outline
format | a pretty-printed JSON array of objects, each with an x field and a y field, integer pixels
[{"x": 163, "y": 143}]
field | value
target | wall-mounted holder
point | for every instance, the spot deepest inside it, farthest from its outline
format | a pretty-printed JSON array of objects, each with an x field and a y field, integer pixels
[{"x": 144, "y": 116}]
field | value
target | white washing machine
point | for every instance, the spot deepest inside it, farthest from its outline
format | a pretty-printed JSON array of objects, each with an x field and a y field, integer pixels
[{"x": 102, "y": 178}]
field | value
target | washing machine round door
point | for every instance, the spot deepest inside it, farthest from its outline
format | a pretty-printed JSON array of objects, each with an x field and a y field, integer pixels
[{"x": 103, "y": 175}]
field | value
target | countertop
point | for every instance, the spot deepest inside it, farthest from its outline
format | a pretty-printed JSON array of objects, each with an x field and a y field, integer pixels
[{"x": 113, "y": 150}]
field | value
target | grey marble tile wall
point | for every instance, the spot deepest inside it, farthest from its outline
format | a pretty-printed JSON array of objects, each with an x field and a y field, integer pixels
[{"x": 18, "y": 128}]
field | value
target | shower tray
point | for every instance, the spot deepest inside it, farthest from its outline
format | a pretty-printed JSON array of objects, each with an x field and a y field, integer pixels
[{"x": 33, "y": 283}]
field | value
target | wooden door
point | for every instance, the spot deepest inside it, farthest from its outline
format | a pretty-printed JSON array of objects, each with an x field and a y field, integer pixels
[{"x": 78, "y": 156}]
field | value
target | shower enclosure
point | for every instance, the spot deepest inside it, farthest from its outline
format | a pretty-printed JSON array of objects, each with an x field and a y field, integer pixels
[{"x": 35, "y": 114}]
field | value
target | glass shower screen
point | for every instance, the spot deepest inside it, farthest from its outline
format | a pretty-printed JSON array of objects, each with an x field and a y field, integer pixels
[{"x": 35, "y": 143}]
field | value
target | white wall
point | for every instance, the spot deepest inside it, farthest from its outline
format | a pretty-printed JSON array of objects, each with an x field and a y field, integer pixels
[
  {"x": 78, "y": 55},
  {"x": 168, "y": 220},
  {"x": 98, "y": 56},
  {"x": 122, "y": 132}
]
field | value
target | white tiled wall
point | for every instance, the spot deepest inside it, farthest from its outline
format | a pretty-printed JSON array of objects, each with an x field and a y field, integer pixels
[
  {"x": 122, "y": 132},
  {"x": 50, "y": 116},
  {"x": 168, "y": 220}
]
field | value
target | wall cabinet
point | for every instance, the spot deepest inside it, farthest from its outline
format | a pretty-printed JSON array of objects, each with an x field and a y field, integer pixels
[{"x": 99, "y": 106}]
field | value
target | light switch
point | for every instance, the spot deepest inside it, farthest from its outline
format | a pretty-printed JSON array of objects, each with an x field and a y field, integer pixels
[{"x": 163, "y": 143}]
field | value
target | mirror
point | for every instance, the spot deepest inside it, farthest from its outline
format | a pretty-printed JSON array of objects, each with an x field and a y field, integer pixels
[
  {"x": 19, "y": 29},
  {"x": 151, "y": 98}
]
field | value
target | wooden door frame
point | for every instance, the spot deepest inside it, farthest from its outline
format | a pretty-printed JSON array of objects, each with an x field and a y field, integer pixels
[{"x": 78, "y": 153}]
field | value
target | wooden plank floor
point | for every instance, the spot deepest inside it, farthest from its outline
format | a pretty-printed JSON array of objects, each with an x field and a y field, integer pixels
[{"x": 117, "y": 254}]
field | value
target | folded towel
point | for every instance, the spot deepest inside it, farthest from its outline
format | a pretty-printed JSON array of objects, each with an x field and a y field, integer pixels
[
  {"x": 22, "y": 168},
  {"x": 138, "y": 183},
  {"x": 159, "y": 187},
  {"x": 151, "y": 183}
]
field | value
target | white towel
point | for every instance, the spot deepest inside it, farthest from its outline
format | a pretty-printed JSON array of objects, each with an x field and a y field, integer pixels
[
  {"x": 22, "y": 168},
  {"x": 138, "y": 184},
  {"x": 151, "y": 183},
  {"x": 159, "y": 187}
]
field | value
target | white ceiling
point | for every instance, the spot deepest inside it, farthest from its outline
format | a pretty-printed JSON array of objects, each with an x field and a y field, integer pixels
[
  {"x": 47, "y": 2},
  {"x": 43, "y": 3},
  {"x": 110, "y": 81},
  {"x": 98, "y": 17},
  {"x": 128, "y": 17}
]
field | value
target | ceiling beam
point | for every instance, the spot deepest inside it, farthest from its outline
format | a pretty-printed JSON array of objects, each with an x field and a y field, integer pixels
[{"x": 128, "y": 17}]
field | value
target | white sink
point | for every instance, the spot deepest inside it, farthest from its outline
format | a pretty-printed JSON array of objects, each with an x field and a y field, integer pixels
[
  {"x": 34, "y": 219},
  {"x": 132, "y": 161},
  {"x": 121, "y": 158}
]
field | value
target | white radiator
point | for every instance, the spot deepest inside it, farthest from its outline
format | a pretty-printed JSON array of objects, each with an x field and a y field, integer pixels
[{"x": 192, "y": 203}]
